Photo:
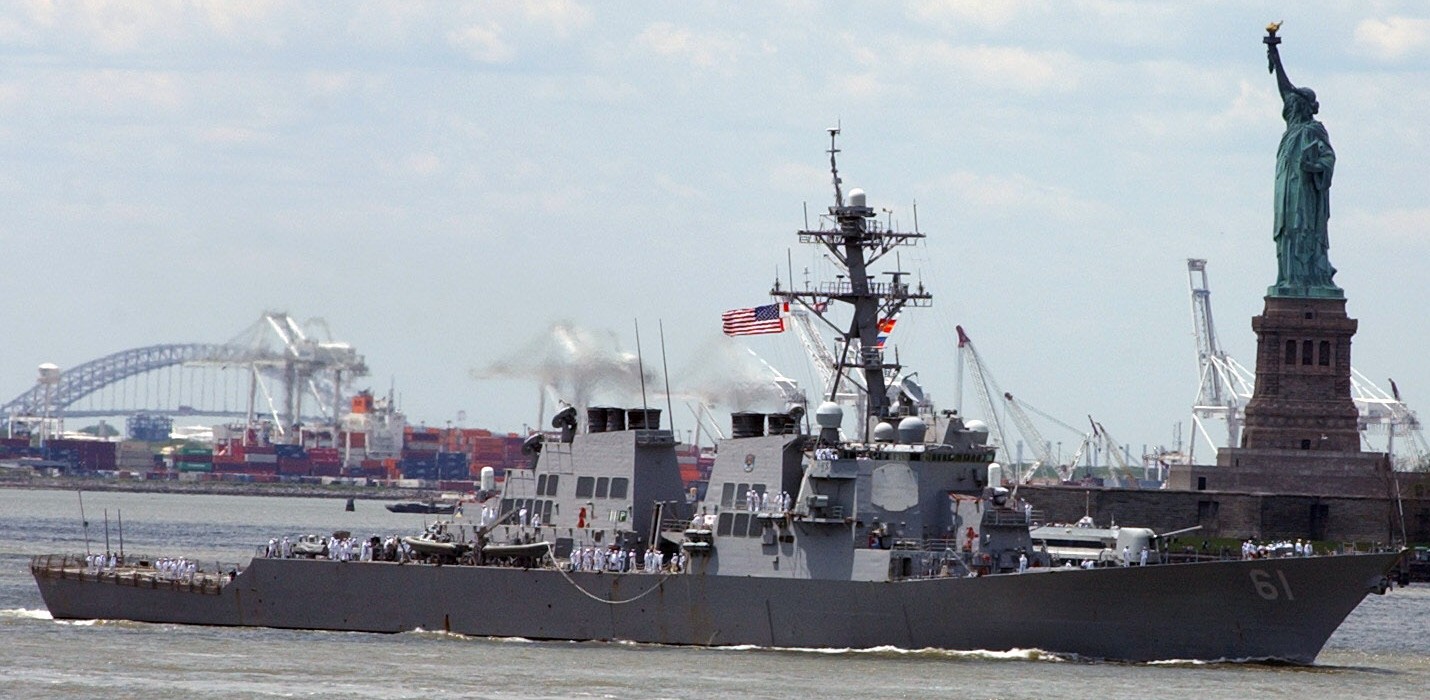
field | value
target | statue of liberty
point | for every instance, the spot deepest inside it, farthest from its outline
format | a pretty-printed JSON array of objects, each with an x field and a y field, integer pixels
[{"x": 1304, "y": 164}]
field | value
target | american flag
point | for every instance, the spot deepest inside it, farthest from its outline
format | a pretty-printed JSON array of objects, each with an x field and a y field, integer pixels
[{"x": 760, "y": 319}]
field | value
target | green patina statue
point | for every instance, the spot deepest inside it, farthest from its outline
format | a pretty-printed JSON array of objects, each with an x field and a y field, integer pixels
[{"x": 1304, "y": 164}]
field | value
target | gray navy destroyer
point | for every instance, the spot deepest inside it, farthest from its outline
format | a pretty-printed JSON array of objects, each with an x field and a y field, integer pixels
[{"x": 888, "y": 530}]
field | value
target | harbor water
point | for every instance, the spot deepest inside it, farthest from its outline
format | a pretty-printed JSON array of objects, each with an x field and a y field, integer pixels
[{"x": 1382, "y": 650}]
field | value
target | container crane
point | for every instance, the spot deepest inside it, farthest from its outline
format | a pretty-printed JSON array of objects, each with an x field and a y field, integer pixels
[{"x": 984, "y": 385}]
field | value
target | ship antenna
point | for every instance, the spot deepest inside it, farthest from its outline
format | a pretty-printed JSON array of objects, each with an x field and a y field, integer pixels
[
  {"x": 640, "y": 365},
  {"x": 83, "y": 520},
  {"x": 665, "y": 368},
  {"x": 834, "y": 167}
]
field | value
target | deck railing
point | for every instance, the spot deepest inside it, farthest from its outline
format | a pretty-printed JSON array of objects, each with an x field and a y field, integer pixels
[{"x": 136, "y": 572}]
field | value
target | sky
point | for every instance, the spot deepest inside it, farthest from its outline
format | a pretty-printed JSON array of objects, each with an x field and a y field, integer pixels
[{"x": 446, "y": 183}]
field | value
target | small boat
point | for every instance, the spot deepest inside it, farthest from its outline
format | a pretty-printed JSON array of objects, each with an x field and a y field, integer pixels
[
  {"x": 530, "y": 549},
  {"x": 429, "y": 546},
  {"x": 310, "y": 546},
  {"x": 428, "y": 507}
]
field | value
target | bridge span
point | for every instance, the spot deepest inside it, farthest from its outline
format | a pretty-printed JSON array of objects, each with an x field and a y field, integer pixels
[{"x": 277, "y": 367}]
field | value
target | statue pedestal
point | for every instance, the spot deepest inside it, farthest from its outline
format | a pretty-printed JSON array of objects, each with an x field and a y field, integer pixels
[
  {"x": 1303, "y": 378},
  {"x": 1301, "y": 434}
]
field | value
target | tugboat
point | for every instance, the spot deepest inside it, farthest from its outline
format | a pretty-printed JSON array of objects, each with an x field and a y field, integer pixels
[{"x": 890, "y": 529}]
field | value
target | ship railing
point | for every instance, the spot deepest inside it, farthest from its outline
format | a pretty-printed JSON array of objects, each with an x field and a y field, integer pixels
[{"x": 136, "y": 571}]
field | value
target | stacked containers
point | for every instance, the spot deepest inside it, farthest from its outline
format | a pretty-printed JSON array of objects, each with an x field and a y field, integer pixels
[
  {"x": 326, "y": 461},
  {"x": 193, "y": 458},
  {"x": 292, "y": 460}
]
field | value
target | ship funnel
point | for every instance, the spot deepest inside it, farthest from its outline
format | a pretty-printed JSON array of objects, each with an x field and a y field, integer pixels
[
  {"x": 615, "y": 420},
  {"x": 643, "y": 419},
  {"x": 596, "y": 419},
  {"x": 747, "y": 424}
]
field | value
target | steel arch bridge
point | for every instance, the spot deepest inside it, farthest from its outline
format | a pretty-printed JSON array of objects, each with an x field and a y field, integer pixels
[
  {"x": 83, "y": 380},
  {"x": 276, "y": 347}
]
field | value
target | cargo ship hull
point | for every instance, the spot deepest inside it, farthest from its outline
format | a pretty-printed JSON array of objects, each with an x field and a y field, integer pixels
[{"x": 1283, "y": 609}]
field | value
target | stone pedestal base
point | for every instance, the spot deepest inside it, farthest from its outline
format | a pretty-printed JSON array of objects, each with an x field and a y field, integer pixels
[
  {"x": 1301, "y": 472},
  {"x": 1303, "y": 379}
]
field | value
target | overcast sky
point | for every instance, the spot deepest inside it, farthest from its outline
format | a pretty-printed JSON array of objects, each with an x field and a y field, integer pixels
[{"x": 443, "y": 182}]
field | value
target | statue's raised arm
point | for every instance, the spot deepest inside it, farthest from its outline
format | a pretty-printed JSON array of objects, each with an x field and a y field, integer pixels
[{"x": 1273, "y": 59}]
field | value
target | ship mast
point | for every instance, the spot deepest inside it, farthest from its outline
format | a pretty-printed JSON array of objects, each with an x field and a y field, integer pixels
[{"x": 855, "y": 240}]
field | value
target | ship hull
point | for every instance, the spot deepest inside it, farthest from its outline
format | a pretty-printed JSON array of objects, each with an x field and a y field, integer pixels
[{"x": 1281, "y": 609}]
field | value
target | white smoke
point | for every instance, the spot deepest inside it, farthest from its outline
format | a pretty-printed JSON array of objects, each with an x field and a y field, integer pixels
[
  {"x": 582, "y": 366},
  {"x": 729, "y": 376}
]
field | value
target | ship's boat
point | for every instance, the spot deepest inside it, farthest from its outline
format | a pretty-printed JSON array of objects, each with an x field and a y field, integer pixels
[
  {"x": 427, "y": 507},
  {"x": 310, "y": 546},
  {"x": 436, "y": 547},
  {"x": 890, "y": 529}
]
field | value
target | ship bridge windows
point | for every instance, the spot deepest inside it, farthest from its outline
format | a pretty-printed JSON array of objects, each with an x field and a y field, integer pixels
[
  {"x": 593, "y": 487},
  {"x": 739, "y": 525},
  {"x": 737, "y": 496},
  {"x": 537, "y": 511},
  {"x": 546, "y": 484}
]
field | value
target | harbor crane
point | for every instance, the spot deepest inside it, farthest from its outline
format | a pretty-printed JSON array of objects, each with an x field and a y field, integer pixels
[
  {"x": 1018, "y": 410},
  {"x": 985, "y": 387},
  {"x": 1044, "y": 455},
  {"x": 1224, "y": 385},
  {"x": 1117, "y": 468}
]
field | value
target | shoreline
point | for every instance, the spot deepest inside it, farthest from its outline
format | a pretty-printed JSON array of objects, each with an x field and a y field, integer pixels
[{"x": 283, "y": 490}]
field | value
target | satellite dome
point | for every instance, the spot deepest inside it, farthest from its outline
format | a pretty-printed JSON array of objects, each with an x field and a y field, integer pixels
[
  {"x": 883, "y": 432},
  {"x": 829, "y": 415},
  {"x": 856, "y": 197},
  {"x": 912, "y": 430},
  {"x": 975, "y": 426}
]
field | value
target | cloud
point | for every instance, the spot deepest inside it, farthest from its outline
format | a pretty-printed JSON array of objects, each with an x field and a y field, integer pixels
[
  {"x": 1252, "y": 105},
  {"x": 999, "y": 66},
  {"x": 122, "y": 90},
  {"x": 482, "y": 42},
  {"x": 1404, "y": 225},
  {"x": 985, "y": 14},
  {"x": 1393, "y": 38},
  {"x": 1019, "y": 196},
  {"x": 679, "y": 43},
  {"x": 563, "y": 17}
]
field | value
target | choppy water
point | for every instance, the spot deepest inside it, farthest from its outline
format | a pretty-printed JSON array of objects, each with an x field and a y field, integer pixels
[{"x": 1383, "y": 650}]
